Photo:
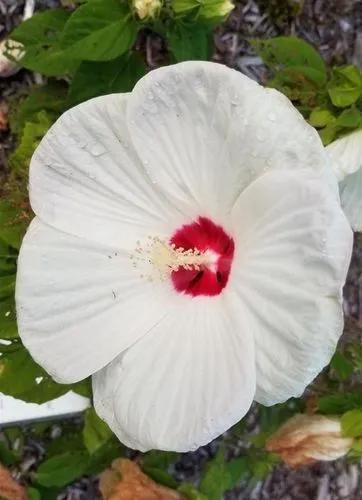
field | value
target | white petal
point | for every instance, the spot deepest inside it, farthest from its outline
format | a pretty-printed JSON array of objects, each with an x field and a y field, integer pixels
[
  {"x": 346, "y": 154},
  {"x": 346, "y": 157},
  {"x": 86, "y": 179},
  {"x": 79, "y": 303},
  {"x": 351, "y": 198},
  {"x": 190, "y": 379},
  {"x": 292, "y": 254},
  {"x": 205, "y": 131}
]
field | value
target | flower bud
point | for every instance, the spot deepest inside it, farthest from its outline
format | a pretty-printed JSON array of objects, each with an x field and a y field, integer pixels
[
  {"x": 9, "y": 67},
  {"x": 305, "y": 439},
  {"x": 214, "y": 9},
  {"x": 147, "y": 9},
  {"x": 126, "y": 481}
]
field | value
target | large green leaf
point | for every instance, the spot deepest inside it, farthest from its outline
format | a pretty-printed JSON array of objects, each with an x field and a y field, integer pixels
[
  {"x": 24, "y": 379},
  {"x": 42, "y": 28},
  {"x": 62, "y": 469},
  {"x": 100, "y": 30},
  {"x": 40, "y": 37},
  {"x": 341, "y": 402},
  {"x": 12, "y": 225},
  {"x": 190, "y": 42},
  {"x": 287, "y": 52},
  {"x": 8, "y": 327},
  {"x": 100, "y": 78},
  {"x": 7, "y": 286},
  {"x": 95, "y": 432},
  {"x": 104, "y": 455}
]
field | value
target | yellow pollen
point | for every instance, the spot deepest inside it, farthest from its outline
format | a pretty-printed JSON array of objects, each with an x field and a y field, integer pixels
[{"x": 165, "y": 257}]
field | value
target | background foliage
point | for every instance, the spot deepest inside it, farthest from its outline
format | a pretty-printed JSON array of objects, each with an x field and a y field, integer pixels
[{"x": 94, "y": 49}]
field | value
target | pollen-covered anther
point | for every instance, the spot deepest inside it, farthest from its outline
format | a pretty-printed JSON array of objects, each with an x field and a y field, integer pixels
[{"x": 165, "y": 258}]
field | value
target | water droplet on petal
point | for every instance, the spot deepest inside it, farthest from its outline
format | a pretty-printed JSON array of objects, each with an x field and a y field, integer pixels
[
  {"x": 272, "y": 116},
  {"x": 97, "y": 149}
]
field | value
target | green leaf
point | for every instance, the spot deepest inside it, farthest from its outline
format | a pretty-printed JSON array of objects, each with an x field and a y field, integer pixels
[
  {"x": 215, "y": 10},
  {"x": 40, "y": 36},
  {"x": 190, "y": 492},
  {"x": 286, "y": 52},
  {"x": 340, "y": 403},
  {"x": 272, "y": 417},
  {"x": 7, "y": 457},
  {"x": 62, "y": 469},
  {"x": 356, "y": 450},
  {"x": 84, "y": 387},
  {"x": 161, "y": 477},
  {"x": 50, "y": 61},
  {"x": 104, "y": 455},
  {"x": 355, "y": 350},
  {"x": 22, "y": 378},
  {"x": 320, "y": 117},
  {"x": 185, "y": 6},
  {"x": 100, "y": 78},
  {"x": 33, "y": 494},
  {"x": 209, "y": 10},
  {"x": 17, "y": 372},
  {"x": 238, "y": 469},
  {"x": 262, "y": 465},
  {"x": 68, "y": 441},
  {"x": 8, "y": 326},
  {"x": 342, "y": 366},
  {"x": 12, "y": 226},
  {"x": 217, "y": 478},
  {"x": 159, "y": 459},
  {"x": 7, "y": 286},
  {"x": 43, "y": 27},
  {"x": 351, "y": 423},
  {"x": 100, "y": 30},
  {"x": 48, "y": 493},
  {"x": 328, "y": 133},
  {"x": 50, "y": 98},
  {"x": 190, "y": 42},
  {"x": 349, "y": 118},
  {"x": 33, "y": 132},
  {"x": 345, "y": 87},
  {"x": 95, "y": 431}
]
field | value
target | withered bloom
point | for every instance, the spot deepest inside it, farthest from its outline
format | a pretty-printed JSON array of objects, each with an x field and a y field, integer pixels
[
  {"x": 9, "y": 488},
  {"x": 305, "y": 439},
  {"x": 126, "y": 481}
]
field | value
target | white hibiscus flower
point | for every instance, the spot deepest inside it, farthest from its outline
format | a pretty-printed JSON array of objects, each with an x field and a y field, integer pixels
[{"x": 188, "y": 250}]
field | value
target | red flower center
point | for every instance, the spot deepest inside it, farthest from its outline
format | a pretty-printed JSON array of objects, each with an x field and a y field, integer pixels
[{"x": 212, "y": 278}]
